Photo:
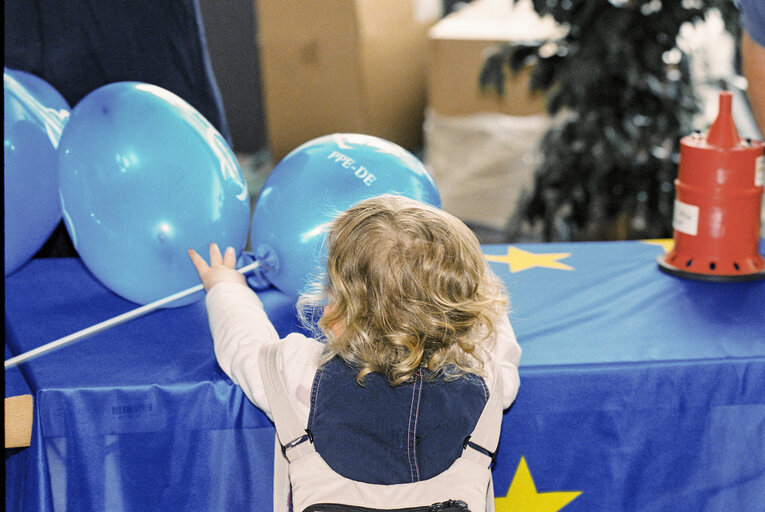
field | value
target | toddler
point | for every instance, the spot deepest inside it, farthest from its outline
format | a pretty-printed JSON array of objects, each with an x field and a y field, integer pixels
[{"x": 412, "y": 340}]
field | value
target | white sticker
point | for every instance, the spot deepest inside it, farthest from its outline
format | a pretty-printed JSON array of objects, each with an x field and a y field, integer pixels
[
  {"x": 759, "y": 170},
  {"x": 686, "y": 218}
]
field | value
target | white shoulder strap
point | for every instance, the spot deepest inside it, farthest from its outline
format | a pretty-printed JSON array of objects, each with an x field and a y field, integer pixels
[
  {"x": 281, "y": 488},
  {"x": 484, "y": 439},
  {"x": 291, "y": 433},
  {"x": 485, "y": 436},
  {"x": 285, "y": 420}
]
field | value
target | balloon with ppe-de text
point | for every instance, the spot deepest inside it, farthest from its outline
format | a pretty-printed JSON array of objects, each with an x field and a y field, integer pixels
[
  {"x": 144, "y": 177},
  {"x": 34, "y": 117},
  {"x": 314, "y": 183}
]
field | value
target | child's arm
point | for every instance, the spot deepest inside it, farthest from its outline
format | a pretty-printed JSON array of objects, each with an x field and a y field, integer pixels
[
  {"x": 238, "y": 323},
  {"x": 507, "y": 354}
]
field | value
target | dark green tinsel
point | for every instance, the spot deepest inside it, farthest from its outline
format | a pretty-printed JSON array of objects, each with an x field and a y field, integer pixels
[{"x": 608, "y": 167}]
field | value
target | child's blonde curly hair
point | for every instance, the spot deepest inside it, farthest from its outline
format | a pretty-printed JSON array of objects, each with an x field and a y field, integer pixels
[{"x": 406, "y": 286}]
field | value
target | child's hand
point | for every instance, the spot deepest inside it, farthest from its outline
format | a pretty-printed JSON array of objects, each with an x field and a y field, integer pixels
[{"x": 220, "y": 269}]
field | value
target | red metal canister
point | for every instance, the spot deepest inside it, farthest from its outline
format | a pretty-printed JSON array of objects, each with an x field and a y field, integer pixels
[{"x": 718, "y": 197}]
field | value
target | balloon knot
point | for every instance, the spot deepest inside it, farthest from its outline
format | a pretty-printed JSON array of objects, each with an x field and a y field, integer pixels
[{"x": 269, "y": 263}]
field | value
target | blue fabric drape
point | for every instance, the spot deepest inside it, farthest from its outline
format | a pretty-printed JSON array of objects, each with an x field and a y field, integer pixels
[{"x": 640, "y": 391}]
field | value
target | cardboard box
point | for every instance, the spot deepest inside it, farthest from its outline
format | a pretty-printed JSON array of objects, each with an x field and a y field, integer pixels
[
  {"x": 19, "y": 414},
  {"x": 483, "y": 149},
  {"x": 457, "y": 47},
  {"x": 343, "y": 66}
]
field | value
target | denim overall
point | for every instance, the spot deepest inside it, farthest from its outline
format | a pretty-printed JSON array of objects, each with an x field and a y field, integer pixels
[
  {"x": 380, "y": 434},
  {"x": 391, "y": 442}
]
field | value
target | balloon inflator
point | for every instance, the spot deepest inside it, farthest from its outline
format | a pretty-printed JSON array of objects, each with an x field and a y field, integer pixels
[{"x": 718, "y": 190}]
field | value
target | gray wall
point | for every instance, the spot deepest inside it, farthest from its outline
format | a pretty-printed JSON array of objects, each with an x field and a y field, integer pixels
[{"x": 231, "y": 41}]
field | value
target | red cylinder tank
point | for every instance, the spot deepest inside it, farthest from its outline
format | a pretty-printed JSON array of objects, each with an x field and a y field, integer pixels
[{"x": 718, "y": 197}]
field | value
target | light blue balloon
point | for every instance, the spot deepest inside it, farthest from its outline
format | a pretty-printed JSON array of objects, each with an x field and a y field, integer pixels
[
  {"x": 314, "y": 183},
  {"x": 34, "y": 117},
  {"x": 144, "y": 177}
]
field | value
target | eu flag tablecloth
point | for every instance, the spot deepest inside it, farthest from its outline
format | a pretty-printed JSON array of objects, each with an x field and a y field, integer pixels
[{"x": 640, "y": 392}]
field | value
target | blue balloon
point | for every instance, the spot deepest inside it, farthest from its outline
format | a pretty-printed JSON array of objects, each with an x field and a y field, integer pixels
[
  {"x": 34, "y": 117},
  {"x": 314, "y": 183},
  {"x": 144, "y": 177}
]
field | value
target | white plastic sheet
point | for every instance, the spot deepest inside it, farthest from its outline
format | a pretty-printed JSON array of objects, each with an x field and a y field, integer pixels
[{"x": 482, "y": 162}]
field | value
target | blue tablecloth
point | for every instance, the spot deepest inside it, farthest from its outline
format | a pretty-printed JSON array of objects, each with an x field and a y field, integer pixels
[{"x": 640, "y": 391}]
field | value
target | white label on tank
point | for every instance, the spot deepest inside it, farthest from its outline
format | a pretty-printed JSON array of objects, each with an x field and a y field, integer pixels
[
  {"x": 759, "y": 170},
  {"x": 686, "y": 218}
]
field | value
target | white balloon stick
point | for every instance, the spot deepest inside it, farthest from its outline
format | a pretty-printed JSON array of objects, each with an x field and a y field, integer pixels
[{"x": 112, "y": 322}]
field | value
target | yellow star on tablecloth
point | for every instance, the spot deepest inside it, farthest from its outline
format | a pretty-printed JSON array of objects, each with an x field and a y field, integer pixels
[
  {"x": 667, "y": 243},
  {"x": 518, "y": 259},
  {"x": 522, "y": 496}
]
